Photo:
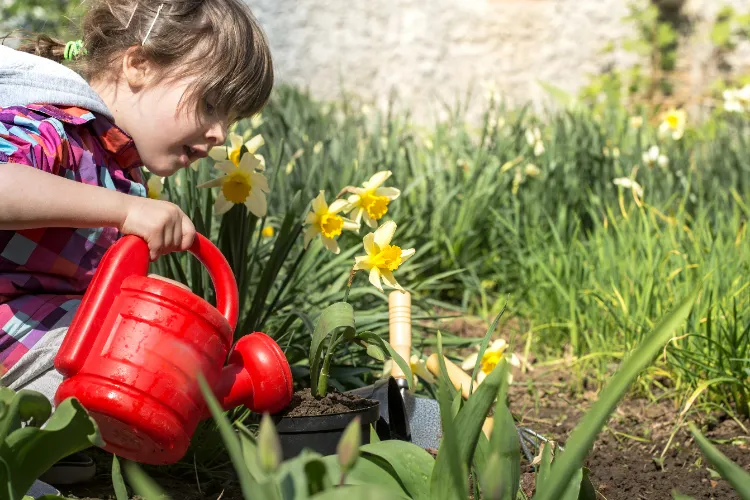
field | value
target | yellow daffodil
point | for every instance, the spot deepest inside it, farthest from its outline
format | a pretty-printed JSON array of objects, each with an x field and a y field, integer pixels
[
  {"x": 491, "y": 357},
  {"x": 371, "y": 200},
  {"x": 240, "y": 184},
  {"x": 155, "y": 187},
  {"x": 268, "y": 232},
  {"x": 324, "y": 220},
  {"x": 234, "y": 150},
  {"x": 382, "y": 258},
  {"x": 532, "y": 170},
  {"x": 418, "y": 369},
  {"x": 673, "y": 124}
]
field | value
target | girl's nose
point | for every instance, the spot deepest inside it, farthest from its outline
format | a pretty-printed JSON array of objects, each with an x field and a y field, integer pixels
[{"x": 217, "y": 133}]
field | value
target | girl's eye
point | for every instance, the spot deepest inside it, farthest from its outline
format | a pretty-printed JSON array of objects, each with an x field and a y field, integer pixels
[{"x": 210, "y": 108}]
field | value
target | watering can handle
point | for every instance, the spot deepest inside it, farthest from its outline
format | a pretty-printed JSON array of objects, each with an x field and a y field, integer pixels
[
  {"x": 227, "y": 297},
  {"x": 129, "y": 256}
]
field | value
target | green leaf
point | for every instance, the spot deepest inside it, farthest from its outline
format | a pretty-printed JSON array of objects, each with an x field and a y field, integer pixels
[
  {"x": 250, "y": 487},
  {"x": 733, "y": 473},
  {"x": 33, "y": 450},
  {"x": 337, "y": 316},
  {"x": 364, "y": 472},
  {"x": 250, "y": 452},
  {"x": 143, "y": 485},
  {"x": 676, "y": 495},
  {"x": 374, "y": 339},
  {"x": 588, "y": 492},
  {"x": 365, "y": 492},
  {"x": 544, "y": 472},
  {"x": 298, "y": 480},
  {"x": 407, "y": 462},
  {"x": 118, "y": 483},
  {"x": 504, "y": 442},
  {"x": 374, "y": 438},
  {"x": 585, "y": 433},
  {"x": 449, "y": 480},
  {"x": 469, "y": 421}
]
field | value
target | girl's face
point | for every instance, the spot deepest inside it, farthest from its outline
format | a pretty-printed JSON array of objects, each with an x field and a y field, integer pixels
[{"x": 167, "y": 137}]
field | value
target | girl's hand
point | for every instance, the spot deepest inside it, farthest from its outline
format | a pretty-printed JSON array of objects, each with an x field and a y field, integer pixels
[{"x": 161, "y": 224}]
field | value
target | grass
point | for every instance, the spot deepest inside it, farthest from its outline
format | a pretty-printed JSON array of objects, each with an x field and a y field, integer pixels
[{"x": 587, "y": 266}]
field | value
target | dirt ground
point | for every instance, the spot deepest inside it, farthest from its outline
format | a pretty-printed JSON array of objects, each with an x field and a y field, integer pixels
[{"x": 627, "y": 462}]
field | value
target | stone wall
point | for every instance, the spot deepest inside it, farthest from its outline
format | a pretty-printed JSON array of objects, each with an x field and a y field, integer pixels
[{"x": 433, "y": 50}]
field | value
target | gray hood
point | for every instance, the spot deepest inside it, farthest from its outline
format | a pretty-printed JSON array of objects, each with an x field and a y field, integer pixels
[{"x": 29, "y": 79}]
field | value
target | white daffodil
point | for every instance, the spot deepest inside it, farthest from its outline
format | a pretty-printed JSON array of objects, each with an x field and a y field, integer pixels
[
  {"x": 629, "y": 183},
  {"x": 654, "y": 157},
  {"x": 418, "y": 369},
  {"x": 491, "y": 357},
  {"x": 324, "y": 220},
  {"x": 234, "y": 150},
  {"x": 732, "y": 103},
  {"x": 673, "y": 124},
  {"x": 155, "y": 187},
  {"x": 534, "y": 138},
  {"x": 240, "y": 184},
  {"x": 371, "y": 200},
  {"x": 382, "y": 258}
]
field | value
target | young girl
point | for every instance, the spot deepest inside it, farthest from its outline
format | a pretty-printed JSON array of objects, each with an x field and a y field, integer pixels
[{"x": 163, "y": 81}]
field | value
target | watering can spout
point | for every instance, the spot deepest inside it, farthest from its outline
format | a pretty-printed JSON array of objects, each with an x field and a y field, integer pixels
[{"x": 257, "y": 376}]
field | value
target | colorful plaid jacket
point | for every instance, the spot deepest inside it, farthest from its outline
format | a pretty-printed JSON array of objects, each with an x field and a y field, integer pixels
[{"x": 44, "y": 272}]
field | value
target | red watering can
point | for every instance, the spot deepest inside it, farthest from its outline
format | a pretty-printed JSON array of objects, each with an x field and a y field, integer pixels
[{"x": 136, "y": 345}]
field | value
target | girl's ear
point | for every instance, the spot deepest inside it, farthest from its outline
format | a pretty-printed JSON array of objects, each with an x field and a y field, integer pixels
[{"x": 137, "y": 69}]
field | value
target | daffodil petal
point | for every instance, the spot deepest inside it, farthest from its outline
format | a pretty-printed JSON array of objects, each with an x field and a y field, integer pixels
[
  {"x": 378, "y": 179},
  {"x": 331, "y": 245},
  {"x": 261, "y": 163},
  {"x": 357, "y": 217},
  {"x": 480, "y": 377},
  {"x": 212, "y": 183},
  {"x": 248, "y": 163},
  {"x": 319, "y": 203},
  {"x": 311, "y": 218},
  {"x": 375, "y": 278},
  {"x": 337, "y": 206},
  {"x": 384, "y": 233},
  {"x": 222, "y": 205},
  {"x": 350, "y": 225},
  {"x": 256, "y": 203},
  {"x": 389, "y": 279},
  {"x": 369, "y": 220},
  {"x": 235, "y": 140},
  {"x": 218, "y": 153},
  {"x": 255, "y": 143},
  {"x": 225, "y": 166},
  {"x": 420, "y": 369},
  {"x": 407, "y": 254},
  {"x": 260, "y": 182},
  {"x": 470, "y": 361},
  {"x": 310, "y": 233},
  {"x": 389, "y": 192},
  {"x": 369, "y": 242},
  {"x": 498, "y": 345},
  {"x": 362, "y": 263},
  {"x": 353, "y": 200}
]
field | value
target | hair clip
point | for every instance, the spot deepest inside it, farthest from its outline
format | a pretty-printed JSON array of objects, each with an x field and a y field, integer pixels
[
  {"x": 152, "y": 24},
  {"x": 73, "y": 50},
  {"x": 131, "y": 15}
]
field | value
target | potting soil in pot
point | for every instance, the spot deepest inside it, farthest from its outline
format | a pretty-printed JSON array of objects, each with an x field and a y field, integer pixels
[{"x": 304, "y": 404}]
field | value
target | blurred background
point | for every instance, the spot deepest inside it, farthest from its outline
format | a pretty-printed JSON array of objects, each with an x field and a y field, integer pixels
[{"x": 435, "y": 53}]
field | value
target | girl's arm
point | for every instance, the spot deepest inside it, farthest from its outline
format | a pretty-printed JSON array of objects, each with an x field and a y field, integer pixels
[{"x": 30, "y": 198}]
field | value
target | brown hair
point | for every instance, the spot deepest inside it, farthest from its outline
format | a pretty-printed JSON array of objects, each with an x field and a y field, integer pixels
[{"x": 217, "y": 41}]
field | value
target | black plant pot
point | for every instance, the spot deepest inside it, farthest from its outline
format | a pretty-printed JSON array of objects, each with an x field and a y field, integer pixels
[{"x": 321, "y": 433}]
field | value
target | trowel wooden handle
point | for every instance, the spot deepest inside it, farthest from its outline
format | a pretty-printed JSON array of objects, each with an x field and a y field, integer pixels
[
  {"x": 399, "y": 327},
  {"x": 459, "y": 378}
]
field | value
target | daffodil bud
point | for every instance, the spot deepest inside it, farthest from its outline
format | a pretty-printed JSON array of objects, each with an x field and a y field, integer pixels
[
  {"x": 348, "y": 447},
  {"x": 269, "y": 446}
]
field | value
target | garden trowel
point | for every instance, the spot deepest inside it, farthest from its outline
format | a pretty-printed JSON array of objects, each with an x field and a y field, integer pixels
[{"x": 405, "y": 416}]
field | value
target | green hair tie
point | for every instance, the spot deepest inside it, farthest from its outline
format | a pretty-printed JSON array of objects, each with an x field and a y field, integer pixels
[{"x": 73, "y": 50}]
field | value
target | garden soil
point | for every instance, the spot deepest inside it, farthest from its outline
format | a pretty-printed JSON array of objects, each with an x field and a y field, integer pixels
[{"x": 304, "y": 404}]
